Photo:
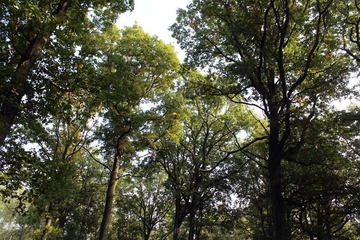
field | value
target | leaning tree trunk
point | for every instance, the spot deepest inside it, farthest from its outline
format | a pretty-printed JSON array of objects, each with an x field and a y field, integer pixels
[
  {"x": 11, "y": 105},
  {"x": 48, "y": 222},
  {"x": 110, "y": 194},
  {"x": 47, "y": 227}
]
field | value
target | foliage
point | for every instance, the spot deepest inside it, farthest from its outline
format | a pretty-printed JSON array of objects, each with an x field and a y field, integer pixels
[
  {"x": 40, "y": 58},
  {"x": 112, "y": 138}
]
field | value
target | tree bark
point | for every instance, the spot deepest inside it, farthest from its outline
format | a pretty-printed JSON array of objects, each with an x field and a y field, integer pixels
[
  {"x": 177, "y": 222},
  {"x": 10, "y": 108},
  {"x": 274, "y": 168},
  {"x": 200, "y": 214},
  {"x": 180, "y": 213},
  {"x": 46, "y": 230},
  {"x": 277, "y": 201},
  {"x": 110, "y": 193},
  {"x": 47, "y": 223},
  {"x": 192, "y": 219}
]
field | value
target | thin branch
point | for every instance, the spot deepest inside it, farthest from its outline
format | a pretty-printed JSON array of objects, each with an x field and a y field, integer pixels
[
  {"x": 233, "y": 152},
  {"x": 95, "y": 159}
]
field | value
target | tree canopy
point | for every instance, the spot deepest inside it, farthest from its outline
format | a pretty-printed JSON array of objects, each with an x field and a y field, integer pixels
[{"x": 106, "y": 134}]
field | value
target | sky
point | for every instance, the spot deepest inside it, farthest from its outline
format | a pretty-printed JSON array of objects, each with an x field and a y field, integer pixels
[{"x": 155, "y": 17}]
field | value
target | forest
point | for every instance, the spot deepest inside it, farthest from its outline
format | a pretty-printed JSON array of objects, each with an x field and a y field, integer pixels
[{"x": 106, "y": 134}]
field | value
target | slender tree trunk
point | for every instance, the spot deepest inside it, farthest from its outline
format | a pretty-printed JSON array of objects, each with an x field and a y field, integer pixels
[
  {"x": 110, "y": 193},
  {"x": 47, "y": 222},
  {"x": 146, "y": 228},
  {"x": 46, "y": 230}
]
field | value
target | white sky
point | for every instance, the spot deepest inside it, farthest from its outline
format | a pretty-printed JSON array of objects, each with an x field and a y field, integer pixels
[{"x": 155, "y": 17}]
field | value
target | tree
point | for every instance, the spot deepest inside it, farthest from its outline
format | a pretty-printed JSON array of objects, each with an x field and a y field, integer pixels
[
  {"x": 280, "y": 56},
  {"x": 64, "y": 201},
  {"x": 51, "y": 165},
  {"x": 61, "y": 148},
  {"x": 143, "y": 205},
  {"x": 85, "y": 210},
  {"x": 200, "y": 167},
  {"x": 31, "y": 30},
  {"x": 136, "y": 69},
  {"x": 319, "y": 196}
]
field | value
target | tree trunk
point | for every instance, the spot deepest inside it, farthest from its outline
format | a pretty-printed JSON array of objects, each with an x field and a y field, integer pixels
[
  {"x": 47, "y": 222},
  {"x": 277, "y": 201},
  {"x": 10, "y": 107},
  {"x": 180, "y": 213},
  {"x": 200, "y": 218},
  {"x": 192, "y": 218},
  {"x": 147, "y": 234},
  {"x": 177, "y": 222},
  {"x": 146, "y": 228},
  {"x": 47, "y": 226},
  {"x": 110, "y": 193},
  {"x": 274, "y": 168}
]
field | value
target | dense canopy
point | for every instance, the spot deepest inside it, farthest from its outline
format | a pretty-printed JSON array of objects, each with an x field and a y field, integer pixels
[{"x": 105, "y": 134}]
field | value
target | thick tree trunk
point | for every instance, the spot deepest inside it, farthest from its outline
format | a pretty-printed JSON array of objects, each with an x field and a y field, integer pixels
[
  {"x": 146, "y": 228},
  {"x": 277, "y": 201},
  {"x": 9, "y": 110},
  {"x": 177, "y": 222},
  {"x": 200, "y": 215},
  {"x": 180, "y": 213},
  {"x": 110, "y": 193},
  {"x": 147, "y": 236},
  {"x": 192, "y": 219},
  {"x": 10, "y": 107},
  {"x": 193, "y": 208},
  {"x": 274, "y": 168}
]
